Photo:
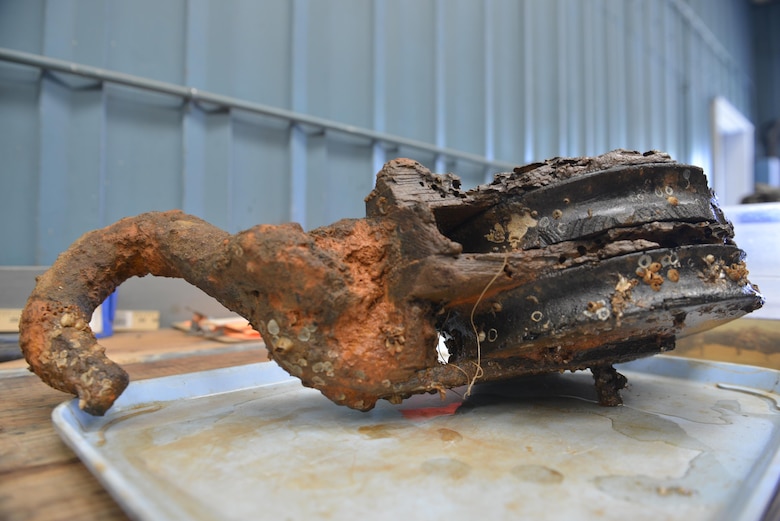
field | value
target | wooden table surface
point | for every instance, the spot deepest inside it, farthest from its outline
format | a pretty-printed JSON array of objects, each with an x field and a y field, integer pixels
[{"x": 40, "y": 477}]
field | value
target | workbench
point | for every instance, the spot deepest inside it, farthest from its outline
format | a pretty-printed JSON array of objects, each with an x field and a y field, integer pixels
[{"x": 40, "y": 477}]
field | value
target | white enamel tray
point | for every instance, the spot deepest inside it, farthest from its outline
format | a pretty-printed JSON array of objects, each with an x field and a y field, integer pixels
[{"x": 694, "y": 441}]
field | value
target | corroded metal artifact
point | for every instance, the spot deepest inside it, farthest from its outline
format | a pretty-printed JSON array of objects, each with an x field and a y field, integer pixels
[{"x": 568, "y": 264}]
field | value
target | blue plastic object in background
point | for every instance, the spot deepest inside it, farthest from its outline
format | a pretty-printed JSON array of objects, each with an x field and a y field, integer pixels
[{"x": 107, "y": 310}]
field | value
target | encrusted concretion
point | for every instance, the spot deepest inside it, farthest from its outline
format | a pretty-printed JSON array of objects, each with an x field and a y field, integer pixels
[{"x": 563, "y": 265}]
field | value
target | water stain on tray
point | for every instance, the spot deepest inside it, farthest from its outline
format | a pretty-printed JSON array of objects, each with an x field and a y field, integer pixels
[
  {"x": 449, "y": 435},
  {"x": 446, "y": 468},
  {"x": 381, "y": 430},
  {"x": 537, "y": 474}
]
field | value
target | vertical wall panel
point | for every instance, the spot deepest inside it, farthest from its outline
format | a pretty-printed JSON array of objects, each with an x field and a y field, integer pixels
[
  {"x": 19, "y": 148},
  {"x": 634, "y": 64},
  {"x": 21, "y": 25},
  {"x": 506, "y": 43},
  {"x": 410, "y": 84},
  {"x": 592, "y": 100},
  {"x": 570, "y": 77},
  {"x": 260, "y": 183},
  {"x": 143, "y": 154},
  {"x": 544, "y": 84},
  {"x": 337, "y": 180},
  {"x": 54, "y": 195},
  {"x": 513, "y": 80},
  {"x": 529, "y": 108},
  {"x": 464, "y": 118},
  {"x": 564, "y": 110},
  {"x": 247, "y": 51},
  {"x": 218, "y": 182},
  {"x": 90, "y": 34},
  {"x": 674, "y": 85},
  {"x": 339, "y": 86},
  {"x": 617, "y": 107},
  {"x": 654, "y": 102},
  {"x": 146, "y": 38},
  {"x": 318, "y": 190},
  {"x": 766, "y": 41},
  {"x": 86, "y": 158},
  {"x": 300, "y": 158},
  {"x": 339, "y": 81},
  {"x": 70, "y": 168},
  {"x": 195, "y": 193}
]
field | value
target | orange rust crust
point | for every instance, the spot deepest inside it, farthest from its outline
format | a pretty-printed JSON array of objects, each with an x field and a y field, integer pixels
[{"x": 62, "y": 350}]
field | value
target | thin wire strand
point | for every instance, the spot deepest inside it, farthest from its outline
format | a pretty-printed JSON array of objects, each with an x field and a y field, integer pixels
[{"x": 479, "y": 371}]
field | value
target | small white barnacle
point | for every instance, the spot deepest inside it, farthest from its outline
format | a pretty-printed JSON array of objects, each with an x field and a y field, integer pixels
[
  {"x": 670, "y": 259},
  {"x": 598, "y": 308},
  {"x": 645, "y": 261},
  {"x": 273, "y": 327},
  {"x": 602, "y": 313},
  {"x": 67, "y": 320},
  {"x": 283, "y": 344},
  {"x": 687, "y": 177},
  {"x": 537, "y": 316}
]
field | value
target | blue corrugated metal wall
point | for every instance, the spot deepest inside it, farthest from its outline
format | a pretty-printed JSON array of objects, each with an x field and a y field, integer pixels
[
  {"x": 513, "y": 81},
  {"x": 766, "y": 42}
]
